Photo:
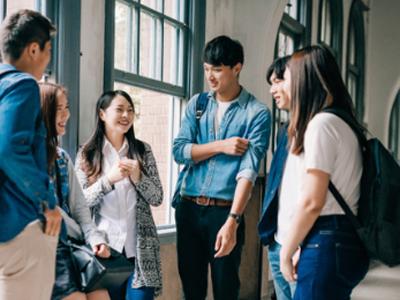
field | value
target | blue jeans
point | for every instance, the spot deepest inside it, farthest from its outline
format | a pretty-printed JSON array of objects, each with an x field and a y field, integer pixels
[
  {"x": 332, "y": 261},
  {"x": 143, "y": 293},
  {"x": 283, "y": 289}
]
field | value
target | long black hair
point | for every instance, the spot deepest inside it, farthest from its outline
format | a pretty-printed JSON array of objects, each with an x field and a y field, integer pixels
[
  {"x": 316, "y": 83},
  {"x": 92, "y": 154}
]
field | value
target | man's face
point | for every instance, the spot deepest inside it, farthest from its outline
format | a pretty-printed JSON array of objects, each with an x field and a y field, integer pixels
[
  {"x": 280, "y": 91},
  {"x": 41, "y": 60},
  {"x": 221, "y": 78}
]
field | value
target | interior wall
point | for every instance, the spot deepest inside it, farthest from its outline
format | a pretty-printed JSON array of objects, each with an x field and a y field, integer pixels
[
  {"x": 92, "y": 64},
  {"x": 383, "y": 65}
]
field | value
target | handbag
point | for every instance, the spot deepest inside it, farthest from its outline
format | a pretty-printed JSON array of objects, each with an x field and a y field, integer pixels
[{"x": 99, "y": 273}]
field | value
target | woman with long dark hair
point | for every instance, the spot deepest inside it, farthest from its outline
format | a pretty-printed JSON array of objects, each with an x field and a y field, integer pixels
[
  {"x": 75, "y": 212},
  {"x": 120, "y": 180},
  {"x": 322, "y": 147}
]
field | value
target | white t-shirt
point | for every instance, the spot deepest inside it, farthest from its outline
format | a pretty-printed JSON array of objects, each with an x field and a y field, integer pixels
[
  {"x": 331, "y": 146},
  {"x": 221, "y": 110},
  {"x": 118, "y": 208}
]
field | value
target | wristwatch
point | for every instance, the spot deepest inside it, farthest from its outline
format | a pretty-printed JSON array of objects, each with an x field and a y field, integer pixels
[{"x": 237, "y": 217}]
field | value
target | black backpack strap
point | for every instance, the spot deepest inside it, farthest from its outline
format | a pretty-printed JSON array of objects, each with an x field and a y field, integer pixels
[
  {"x": 343, "y": 205},
  {"x": 201, "y": 105},
  {"x": 358, "y": 131}
]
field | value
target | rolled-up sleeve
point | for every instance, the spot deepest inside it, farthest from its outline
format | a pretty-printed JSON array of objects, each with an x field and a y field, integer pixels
[
  {"x": 182, "y": 146},
  {"x": 258, "y": 136}
]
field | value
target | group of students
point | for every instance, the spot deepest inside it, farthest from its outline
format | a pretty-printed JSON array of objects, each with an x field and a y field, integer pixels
[
  {"x": 46, "y": 202},
  {"x": 105, "y": 199}
]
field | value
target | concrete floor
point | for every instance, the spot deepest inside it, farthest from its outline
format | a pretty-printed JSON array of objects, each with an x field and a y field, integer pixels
[{"x": 381, "y": 282}]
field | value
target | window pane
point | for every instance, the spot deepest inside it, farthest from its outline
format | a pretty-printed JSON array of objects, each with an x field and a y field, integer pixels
[
  {"x": 154, "y": 4},
  {"x": 153, "y": 125},
  {"x": 394, "y": 130},
  {"x": 352, "y": 48},
  {"x": 291, "y": 9},
  {"x": 175, "y": 9},
  {"x": 171, "y": 47},
  {"x": 124, "y": 25},
  {"x": 285, "y": 45},
  {"x": 352, "y": 87},
  {"x": 15, "y": 5},
  {"x": 326, "y": 23},
  {"x": 150, "y": 46}
]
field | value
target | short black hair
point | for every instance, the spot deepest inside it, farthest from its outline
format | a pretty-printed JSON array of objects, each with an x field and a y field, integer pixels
[
  {"x": 222, "y": 50},
  {"x": 278, "y": 67},
  {"x": 22, "y": 28}
]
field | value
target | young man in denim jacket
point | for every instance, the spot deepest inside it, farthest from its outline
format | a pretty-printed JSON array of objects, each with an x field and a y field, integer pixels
[
  {"x": 27, "y": 249},
  {"x": 268, "y": 223},
  {"x": 223, "y": 153}
]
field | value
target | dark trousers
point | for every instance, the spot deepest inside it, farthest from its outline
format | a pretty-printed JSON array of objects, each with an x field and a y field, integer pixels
[
  {"x": 197, "y": 229},
  {"x": 332, "y": 261}
]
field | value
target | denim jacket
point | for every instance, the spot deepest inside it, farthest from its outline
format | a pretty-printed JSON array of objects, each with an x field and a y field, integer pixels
[
  {"x": 269, "y": 217},
  {"x": 24, "y": 182},
  {"x": 216, "y": 177}
]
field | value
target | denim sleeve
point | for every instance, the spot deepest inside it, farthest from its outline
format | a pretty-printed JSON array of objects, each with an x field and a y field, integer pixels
[
  {"x": 22, "y": 143},
  {"x": 182, "y": 146},
  {"x": 258, "y": 136}
]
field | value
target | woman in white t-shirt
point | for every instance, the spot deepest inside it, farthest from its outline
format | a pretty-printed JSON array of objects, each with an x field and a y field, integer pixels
[
  {"x": 120, "y": 180},
  {"x": 322, "y": 148}
]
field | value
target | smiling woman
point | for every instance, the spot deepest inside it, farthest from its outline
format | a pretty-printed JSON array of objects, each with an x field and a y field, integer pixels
[{"x": 120, "y": 179}]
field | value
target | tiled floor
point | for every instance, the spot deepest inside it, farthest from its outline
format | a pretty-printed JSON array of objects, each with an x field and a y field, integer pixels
[{"x": 381, "y": 283}]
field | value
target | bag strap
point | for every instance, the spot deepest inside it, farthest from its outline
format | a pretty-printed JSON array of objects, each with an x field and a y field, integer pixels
[
  {"x": 344, "y": 205},
  {"x": 358, "y": 131},
  {"x": 362, "y": 140},
  {"x": 201, "y": 105}
]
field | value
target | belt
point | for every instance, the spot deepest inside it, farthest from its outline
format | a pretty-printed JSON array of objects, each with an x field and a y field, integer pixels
[{"x": 206, "y": 201}]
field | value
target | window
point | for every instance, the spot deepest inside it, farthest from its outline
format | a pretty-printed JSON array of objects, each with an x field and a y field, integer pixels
[
  {"x": 8, "y": 7},
  {"x": 330, "y": 26},
  {"x": 294, "y": 33},
  {"x": 149, "y": 60},
  {"x": 356, "y": 58},
  {"x": 394, "y": 129}
]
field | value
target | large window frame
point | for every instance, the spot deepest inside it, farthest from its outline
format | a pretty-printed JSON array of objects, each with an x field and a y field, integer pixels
[
  {"x": 190, "y": 77},
  {"x": 355, "y": 57},
  {"x": 333, "y": 9},
  {"x": 394, "y": 128},
  {"x": 295, "y": 25}
]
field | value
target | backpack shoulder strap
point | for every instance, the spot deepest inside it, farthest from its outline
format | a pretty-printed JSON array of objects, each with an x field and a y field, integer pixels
[
  {"x": 353, "y": 219},
  {"x": 362, "y": 140},
  {"x": 358, "y": 131},
  {"x": 201, "y": 104}
]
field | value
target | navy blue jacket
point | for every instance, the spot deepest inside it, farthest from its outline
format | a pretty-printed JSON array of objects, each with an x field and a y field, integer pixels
[
  {"x": 24, "y": 182},
  {"x": 269, "y": 218}
]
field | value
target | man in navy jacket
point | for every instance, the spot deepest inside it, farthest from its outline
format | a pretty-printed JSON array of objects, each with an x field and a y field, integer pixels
[
  {"x": 269, "y": 219},
  {"x": 27, "y": 248}
]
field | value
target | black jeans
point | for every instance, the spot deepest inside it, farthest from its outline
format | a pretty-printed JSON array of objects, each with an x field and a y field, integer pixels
[{"x": 197, "y": 228}]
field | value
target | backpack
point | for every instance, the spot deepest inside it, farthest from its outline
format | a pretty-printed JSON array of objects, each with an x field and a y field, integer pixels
[
  {"x": 201, "y": 104},
  {"x": 378, "y": 219}
]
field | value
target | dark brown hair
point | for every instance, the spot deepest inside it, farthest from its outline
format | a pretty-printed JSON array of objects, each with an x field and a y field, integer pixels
[
  {"x": 92, "y": 151},
  {"x": 22, "y": 28},
  {"x": 48, "y": 98},
  {"x": 316, "y": 83}
]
